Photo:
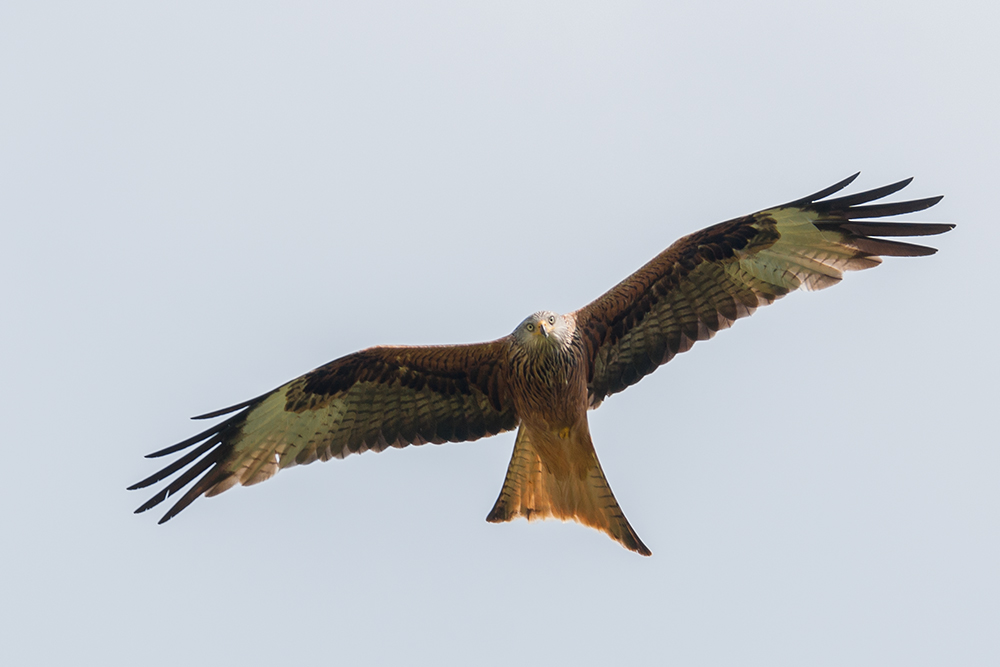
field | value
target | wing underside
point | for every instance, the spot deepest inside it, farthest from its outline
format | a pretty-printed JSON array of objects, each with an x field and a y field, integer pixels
[
  {"x": 370, "y": 400},
  {"x": 707, "y": 280}
]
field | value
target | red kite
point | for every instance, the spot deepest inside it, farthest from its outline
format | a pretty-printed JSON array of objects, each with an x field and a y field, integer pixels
[{"x": 544, "y": 377}]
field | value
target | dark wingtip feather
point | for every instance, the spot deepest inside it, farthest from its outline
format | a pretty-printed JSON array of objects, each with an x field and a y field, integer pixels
[
  {"x": 211, "y": 459},
  {"x": 847, "y": 207},
  {"x": 893, "y": 208},
  {"x": 841, "y": 203},
  {"x": 825, "y": 192},
  {"x": 866, "y": 228},
  {"x": 193, "y": 440},
  {"x": 886, "y": 248},
  {"x": 233, "y": 408},
  {"x": 214, "y": 430},
  {"x": 176, "y": 465},
  {"x": 152, "y": 502},
  {"x": 192, "y": 494}
]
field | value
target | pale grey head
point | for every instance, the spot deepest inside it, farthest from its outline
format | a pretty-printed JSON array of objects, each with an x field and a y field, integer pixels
[{"x": 545, "y": 330}]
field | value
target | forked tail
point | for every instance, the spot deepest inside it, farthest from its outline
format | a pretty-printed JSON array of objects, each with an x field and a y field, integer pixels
[{"x": 570, "y": 488}]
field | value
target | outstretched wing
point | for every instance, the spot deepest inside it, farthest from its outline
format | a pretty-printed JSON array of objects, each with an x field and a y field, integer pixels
[
  {"x": 372, "y": 399},
  {"x": 707, "y": 280}
]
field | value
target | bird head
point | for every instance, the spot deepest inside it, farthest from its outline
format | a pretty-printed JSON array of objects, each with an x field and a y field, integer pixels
[{"x": 544, "y": 329}]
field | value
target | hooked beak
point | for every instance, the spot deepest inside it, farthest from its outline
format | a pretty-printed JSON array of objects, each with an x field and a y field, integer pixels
[{"x": 543, "y": 329}]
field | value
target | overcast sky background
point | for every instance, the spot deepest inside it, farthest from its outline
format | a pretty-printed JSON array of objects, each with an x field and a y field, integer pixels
[{"x": 202, "y": 200}]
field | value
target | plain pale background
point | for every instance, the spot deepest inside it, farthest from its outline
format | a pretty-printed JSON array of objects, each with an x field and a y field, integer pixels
[{"x": 202, "y": 200}]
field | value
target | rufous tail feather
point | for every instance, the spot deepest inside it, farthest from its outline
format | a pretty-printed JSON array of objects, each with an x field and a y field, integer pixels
[{"x": 577, "y": 492}]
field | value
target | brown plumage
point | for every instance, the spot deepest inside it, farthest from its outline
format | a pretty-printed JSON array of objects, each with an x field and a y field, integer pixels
[{"x": 543, "y": 377}]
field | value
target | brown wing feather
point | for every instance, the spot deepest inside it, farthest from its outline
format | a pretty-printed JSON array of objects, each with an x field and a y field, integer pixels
[
  {"x": 707, "y": 280},
  {"x": 369, "y": 400}
]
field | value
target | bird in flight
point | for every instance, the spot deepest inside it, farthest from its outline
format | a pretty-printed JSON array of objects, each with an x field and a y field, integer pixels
[{"x": 542, "y": 378}]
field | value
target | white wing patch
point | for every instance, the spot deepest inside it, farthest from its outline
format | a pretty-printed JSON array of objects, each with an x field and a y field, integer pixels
[
  {"x": 272, "y": 439},
  {"x": 804, "y": 256}
]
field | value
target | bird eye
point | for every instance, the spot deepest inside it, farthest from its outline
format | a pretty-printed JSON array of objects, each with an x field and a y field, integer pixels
[
  {"x": 529, "y": 327},
  {"x": 552, "y": 319}
]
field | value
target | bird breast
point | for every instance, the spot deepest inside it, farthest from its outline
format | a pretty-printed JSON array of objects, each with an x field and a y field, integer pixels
[{"x": 550, "y": 386}]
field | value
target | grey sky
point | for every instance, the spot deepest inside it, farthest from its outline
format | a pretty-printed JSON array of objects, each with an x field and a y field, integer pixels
[{"x": 200, "y": 201}]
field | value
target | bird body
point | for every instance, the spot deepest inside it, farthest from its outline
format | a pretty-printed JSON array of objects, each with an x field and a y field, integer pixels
[
  {"x": 554, "y": 471},
  {"x": 544, "y": 377}
]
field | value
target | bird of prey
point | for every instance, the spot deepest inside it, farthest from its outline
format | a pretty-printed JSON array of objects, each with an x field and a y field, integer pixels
[{"x": 542, "y": 378}]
